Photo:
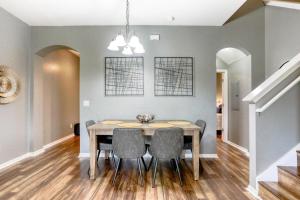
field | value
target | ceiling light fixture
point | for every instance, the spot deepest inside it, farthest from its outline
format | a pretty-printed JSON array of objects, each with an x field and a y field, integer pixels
[{"x": 129, "y": 44}]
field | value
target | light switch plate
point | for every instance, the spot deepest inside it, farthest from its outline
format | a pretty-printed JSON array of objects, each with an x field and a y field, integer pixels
[{"x": 86, "y": 103}]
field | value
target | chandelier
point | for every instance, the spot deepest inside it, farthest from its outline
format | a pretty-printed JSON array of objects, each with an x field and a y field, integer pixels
[{"x": 129, "y": 42}]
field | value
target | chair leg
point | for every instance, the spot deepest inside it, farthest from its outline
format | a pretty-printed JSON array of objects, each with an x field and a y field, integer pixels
[
  {"x": 140, "y": 171},
  {"x": 178, "y": 171},
  {"x": 201, "y": 166},
  {"x": 148, "y": 168},
  {"x": 144, "y": 163},
  {"x": 154, "y": 173},
  {"x": 116, "y": 171},
  {"x": 172, "y": 163},
  {"x": 98, "y": 155},
  {"x": 113, "y": 158}
]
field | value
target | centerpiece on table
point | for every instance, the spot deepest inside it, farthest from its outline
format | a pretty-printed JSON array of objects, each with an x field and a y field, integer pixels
[{"x": 145, "y": 118}]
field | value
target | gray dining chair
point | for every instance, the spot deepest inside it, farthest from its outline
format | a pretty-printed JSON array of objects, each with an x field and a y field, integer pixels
[
  {"x": 104, "y": 142},
  {"x": 129, "y": 143},
  {"x": 167, "y": 144},
  {"x": 188, "y": 140}
]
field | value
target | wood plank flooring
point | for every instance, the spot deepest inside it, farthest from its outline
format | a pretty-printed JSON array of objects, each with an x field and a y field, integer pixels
[{"x": 60, "y": 174}]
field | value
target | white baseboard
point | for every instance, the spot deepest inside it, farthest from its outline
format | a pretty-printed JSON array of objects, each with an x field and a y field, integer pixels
[
  {"x": 14, "y": 161},
  {"x": 242, "y": 149},
  {"x": 254, "y": 192},
  {"x": 186, "y": 155},
  {"x": 288, "y": 159},
  {"x": 58, "y": 141},
  {"x": 33, "y": 154}
]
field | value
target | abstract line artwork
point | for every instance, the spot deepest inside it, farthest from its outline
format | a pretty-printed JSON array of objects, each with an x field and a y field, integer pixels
[
  {"x": 124, "y": 76},
  {"x": 173, "y": 76}
]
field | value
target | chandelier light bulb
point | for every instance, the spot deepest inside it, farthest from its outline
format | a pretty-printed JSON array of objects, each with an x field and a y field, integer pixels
[
  {"x": 123, "y": 40},
  {"x": 134, "y": 41},
  {"x": 127, "y": 51},
  {"x": 120, "y": 40},
  {"x": 113, "y": 46},
  {"x": 139, "y": 49}
]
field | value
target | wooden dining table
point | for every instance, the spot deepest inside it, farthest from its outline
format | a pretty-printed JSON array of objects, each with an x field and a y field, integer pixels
[{"x": 106, "y": 127}]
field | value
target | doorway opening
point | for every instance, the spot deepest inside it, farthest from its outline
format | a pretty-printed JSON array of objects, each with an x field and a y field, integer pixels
[
  {"x": 234, "y": 81},
  {"x": 56, "y": 104},
  {"x": 222, "y": 104}
]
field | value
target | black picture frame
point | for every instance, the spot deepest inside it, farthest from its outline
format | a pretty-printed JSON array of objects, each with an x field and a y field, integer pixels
[
  {"x": 128, "y": 70},
  {"x": 188, "y": 91}
]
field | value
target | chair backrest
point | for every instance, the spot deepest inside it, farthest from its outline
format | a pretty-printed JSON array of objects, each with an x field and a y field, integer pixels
[
  {"x": 88, "y": 124},
  {"x": 202, "y": 125},
  {"x": 167, "y": 143},
  {"x": 128, "y": 143}
]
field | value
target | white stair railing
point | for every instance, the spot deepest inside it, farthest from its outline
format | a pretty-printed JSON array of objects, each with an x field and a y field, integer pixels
[{"x": 280, "y": 94}]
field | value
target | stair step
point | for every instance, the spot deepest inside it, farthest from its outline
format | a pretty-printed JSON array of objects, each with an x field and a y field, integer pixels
[
  {"x": 289, "y": 178},
  {"x": 274, "y": 191}
]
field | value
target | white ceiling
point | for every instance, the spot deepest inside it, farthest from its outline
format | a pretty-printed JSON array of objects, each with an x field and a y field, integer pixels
[
  {"x": 230, "y": 55},
  {"x": 284, "y": 4},
  {"x": 111, "y": 12}
]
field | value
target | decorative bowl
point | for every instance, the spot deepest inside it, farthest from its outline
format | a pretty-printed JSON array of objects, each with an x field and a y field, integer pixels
[{"x": 145, "y": 118}]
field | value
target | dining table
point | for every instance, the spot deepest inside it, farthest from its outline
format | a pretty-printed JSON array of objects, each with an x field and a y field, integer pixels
[{"x": 106, "y": 127}]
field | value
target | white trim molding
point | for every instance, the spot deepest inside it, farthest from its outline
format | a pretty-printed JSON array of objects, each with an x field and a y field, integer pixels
[
  {"x": 47, "y": 146},
  {"x": 242, "y": 149},
  {"x": 274, "y": 80},
  {"x": 28, "y": 155},
  {"x": 254, "y": 192},
  {"x": 225, "y": 94},
  {"x": 288, "y": 159},
  {"x": 14, "y": 161},
  {"x": 280, "y": 94}
]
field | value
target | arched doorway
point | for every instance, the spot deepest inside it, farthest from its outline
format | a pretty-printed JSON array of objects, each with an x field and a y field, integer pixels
[
  {"x": 234, "y": 81},
  {"x": 55, "y": 95}
]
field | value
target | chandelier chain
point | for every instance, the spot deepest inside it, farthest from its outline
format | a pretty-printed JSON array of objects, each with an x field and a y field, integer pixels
[{"x": 127, "y": 20}]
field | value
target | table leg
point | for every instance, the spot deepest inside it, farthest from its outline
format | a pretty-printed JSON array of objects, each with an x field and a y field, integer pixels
[
  {"x": 196, "y": 151},
  {"x": 93, "y": 153}
]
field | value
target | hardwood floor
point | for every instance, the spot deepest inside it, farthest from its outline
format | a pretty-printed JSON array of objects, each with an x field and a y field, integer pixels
[{"x": 60, "y": 174}]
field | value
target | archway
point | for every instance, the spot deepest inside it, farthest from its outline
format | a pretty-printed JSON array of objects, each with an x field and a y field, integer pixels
[
  {"x": 234, "y": 81},
  {"x": 55, "y": 95}
]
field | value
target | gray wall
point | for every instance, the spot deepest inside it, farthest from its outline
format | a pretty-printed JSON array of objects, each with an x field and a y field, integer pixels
[
  {"x": 14, "y": 52},
  {"x": 282, "y": 37},
  {"x": 278, "y": 128},
  {"x": 199, "y": 42},
  {"x": 239, "y": 73},
  {"x": 61, "y": 94},
  {"x": 202, "y": 43},
  {"x": 248, "y": 33}
]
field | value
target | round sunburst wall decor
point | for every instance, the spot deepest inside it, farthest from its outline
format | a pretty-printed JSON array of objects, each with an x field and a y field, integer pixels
[{"x": 9, "y": 85}]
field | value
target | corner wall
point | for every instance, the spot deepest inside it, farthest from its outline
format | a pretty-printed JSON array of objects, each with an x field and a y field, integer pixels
[{"x": 14, "y": 52}]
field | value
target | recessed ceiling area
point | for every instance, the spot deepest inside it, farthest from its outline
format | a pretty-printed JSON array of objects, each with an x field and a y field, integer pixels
[
  {"x": 230, "y": 55},
  {"x": 112, "y": 12}
]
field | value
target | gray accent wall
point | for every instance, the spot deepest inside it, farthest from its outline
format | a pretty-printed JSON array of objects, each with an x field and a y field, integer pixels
[
  {"x": 278, "y": 128},
  {"x": 20, "y": 43},
  {"x": 282, "y": 36},
  {"x": 202, "y": 43},
  {"x": 14, "y": 52},
  {"x": 248, "y": 33}
]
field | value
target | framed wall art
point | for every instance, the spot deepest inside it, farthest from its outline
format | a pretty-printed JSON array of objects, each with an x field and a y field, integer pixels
[
  {"x": 124, "y": 76},
  {"x": 173, "y": 76}
]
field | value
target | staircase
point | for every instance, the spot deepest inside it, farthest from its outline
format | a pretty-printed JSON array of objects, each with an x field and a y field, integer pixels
[{"x": 287, "y": 187}]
